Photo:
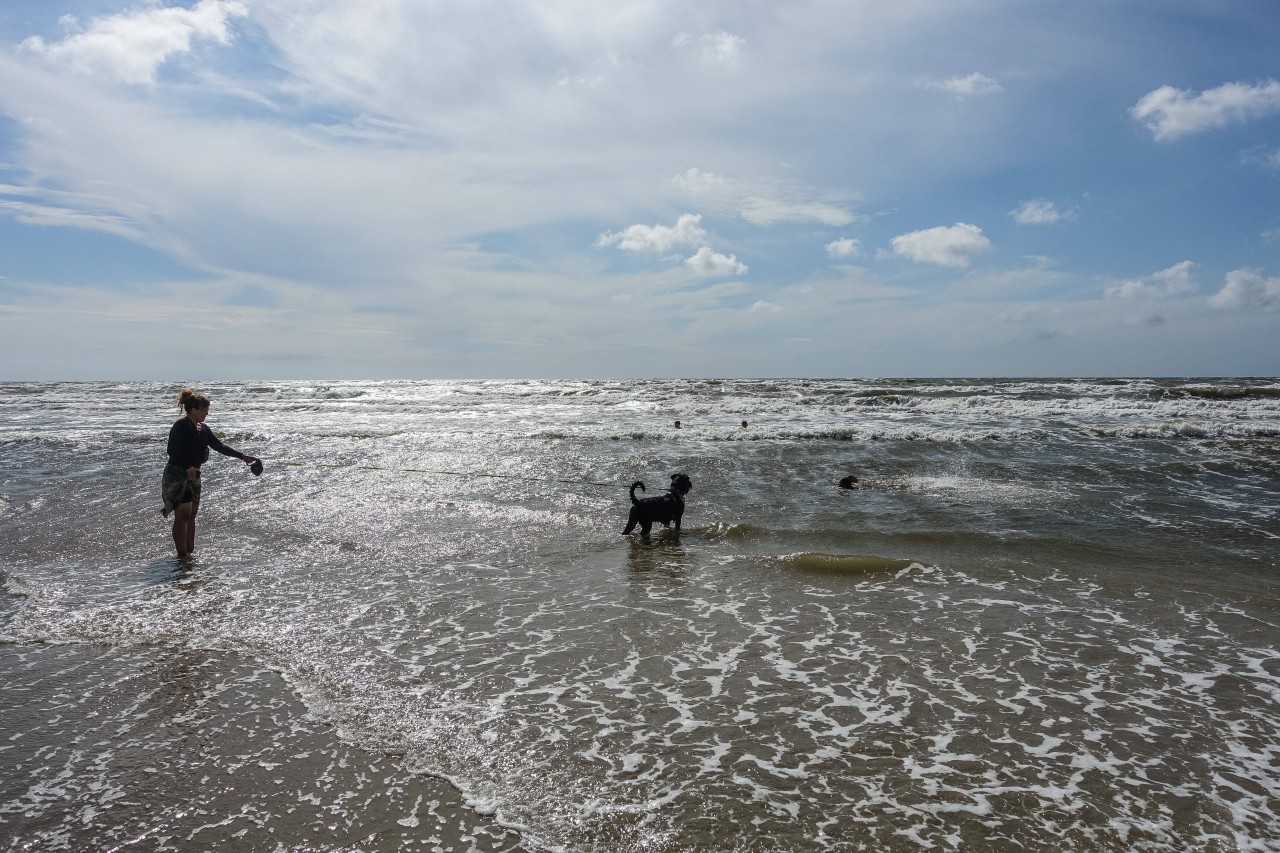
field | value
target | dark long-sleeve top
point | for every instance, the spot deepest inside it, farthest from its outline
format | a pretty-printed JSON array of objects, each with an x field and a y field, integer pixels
[{"x": 189, "y": 447}]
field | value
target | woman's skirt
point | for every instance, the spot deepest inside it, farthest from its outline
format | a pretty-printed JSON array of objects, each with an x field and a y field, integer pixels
[{"x": 177, "y": 488}]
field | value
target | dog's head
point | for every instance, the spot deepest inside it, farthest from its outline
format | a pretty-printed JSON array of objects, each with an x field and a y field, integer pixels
[{"x": 680, "y": 484}]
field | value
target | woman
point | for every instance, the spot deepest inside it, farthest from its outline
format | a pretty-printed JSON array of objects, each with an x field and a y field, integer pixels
[{"x": 189, "y": 443}]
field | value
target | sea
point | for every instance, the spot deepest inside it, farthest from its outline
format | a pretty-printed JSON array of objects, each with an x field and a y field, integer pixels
[{"x": 1047, "y": 618}]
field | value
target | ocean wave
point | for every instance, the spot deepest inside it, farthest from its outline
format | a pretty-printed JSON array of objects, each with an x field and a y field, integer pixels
[
  {"x": 13, "y": 586},
  {"x": 265, "y": 438},
  {"x": 848, "y": 564},
  {"x": 991, "y": 629},
  {"x": 733, "y": 532},
  {"x": 1188, "y": 429},
  {"x": 1219, "y": 392},
  {"x": 881, "y": 398},
  {"x": 760, "y": 432}
]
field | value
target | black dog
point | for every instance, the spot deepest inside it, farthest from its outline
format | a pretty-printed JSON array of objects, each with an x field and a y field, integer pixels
[{"x": 664, "y": 508}]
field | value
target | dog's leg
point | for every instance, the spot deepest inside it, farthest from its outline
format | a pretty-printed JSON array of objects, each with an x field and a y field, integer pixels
[{"x": 631, "y": 523}]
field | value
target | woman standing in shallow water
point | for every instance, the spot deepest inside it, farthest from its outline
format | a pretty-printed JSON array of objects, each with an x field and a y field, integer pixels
[{"x": 189, "y": 443}]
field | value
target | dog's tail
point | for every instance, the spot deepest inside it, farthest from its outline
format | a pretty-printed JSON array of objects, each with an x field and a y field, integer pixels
[{"x": 634, "y": 485}]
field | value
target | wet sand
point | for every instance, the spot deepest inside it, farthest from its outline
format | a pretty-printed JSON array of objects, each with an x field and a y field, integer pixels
[{"x": 155, "y": 749}]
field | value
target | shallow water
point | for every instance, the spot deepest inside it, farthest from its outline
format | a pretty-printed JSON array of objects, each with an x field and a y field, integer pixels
[{"x": 1047, "y": 620}]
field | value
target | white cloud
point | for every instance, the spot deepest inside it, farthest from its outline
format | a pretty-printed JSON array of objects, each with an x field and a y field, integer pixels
[
  {"x": 1170, "y": 113},
  {"x": 1248, "y": 290},
  {"x": 764, "y": 202},
  {"x": 698, "y": 182},
  {"x": 967, "y": 86},
  {"x": 1167, "y": 283},
  {"x": 845, "y": 247},
  {"x": 31, "y": 213},
  {"x": 1040, "y": 212},
  {"x": 386, "y": 148},
  {"x": 952, "y": 246},
  {"x": 1264, "y": 156},
  {"x": 769, "y": 211},
  {"x": 657, "y": 238},
  {"x": 131, "y": 46},
  {"x": 761, "y": 306},
  {"x": 720, "y": 49},
  {"x": 708, "y": 263}
]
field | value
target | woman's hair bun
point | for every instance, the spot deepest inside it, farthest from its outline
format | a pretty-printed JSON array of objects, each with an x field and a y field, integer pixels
[{"x": 189, "y": 399}]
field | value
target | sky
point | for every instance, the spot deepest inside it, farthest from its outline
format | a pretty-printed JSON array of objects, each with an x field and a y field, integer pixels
[{"x": 385, "y": 189}]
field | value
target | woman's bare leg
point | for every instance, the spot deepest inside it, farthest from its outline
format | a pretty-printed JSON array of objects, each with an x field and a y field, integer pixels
[
  {"x": 191, "y": 528},
  {"x": 184, "y": 528}
]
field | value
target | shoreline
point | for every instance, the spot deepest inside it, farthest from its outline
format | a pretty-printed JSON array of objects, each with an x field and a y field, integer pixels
[{"x": 192, "y": 750}]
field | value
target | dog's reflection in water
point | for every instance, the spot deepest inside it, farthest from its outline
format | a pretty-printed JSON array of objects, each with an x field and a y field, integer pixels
[
  {"x": 665, "y": 509},
  {"x": 657, "y": 557}
]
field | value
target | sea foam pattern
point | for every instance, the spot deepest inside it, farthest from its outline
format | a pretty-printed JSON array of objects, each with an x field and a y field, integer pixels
[{"x": 1047, "y": 620}]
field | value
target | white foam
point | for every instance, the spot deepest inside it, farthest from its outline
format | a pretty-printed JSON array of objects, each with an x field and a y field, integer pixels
[{"x": 499, "y": 637}]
